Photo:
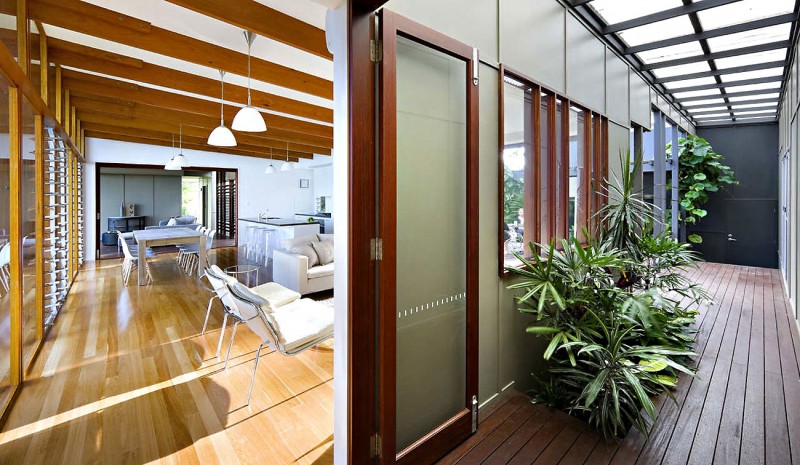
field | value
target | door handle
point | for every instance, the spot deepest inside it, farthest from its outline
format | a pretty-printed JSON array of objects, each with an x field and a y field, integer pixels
[{"x": 731, "y": 238}]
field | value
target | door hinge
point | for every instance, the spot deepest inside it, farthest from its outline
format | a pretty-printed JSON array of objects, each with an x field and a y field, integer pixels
[
  {"x": 98, "y": 216},
  {"x": 475, "y": 66},
  {"x": 474, "y": 413},
  {"x": 375, "y": 446},
  {"x": 375, "y": 50},
  {"x": 376, "y": 249}
]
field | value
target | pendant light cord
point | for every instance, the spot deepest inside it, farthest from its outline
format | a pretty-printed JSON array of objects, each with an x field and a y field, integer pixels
[
  {"x": 249, "y": 44},
  {"x": 222, "y": 99}
]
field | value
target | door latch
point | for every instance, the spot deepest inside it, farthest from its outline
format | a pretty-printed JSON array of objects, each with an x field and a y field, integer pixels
[
  {"x": 474, "y": 413},
  {"x": 731, "y": 238}
]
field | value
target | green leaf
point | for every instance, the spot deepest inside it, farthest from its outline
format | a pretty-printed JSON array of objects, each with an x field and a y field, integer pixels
[
  {"x": 667, "y": 380},
  {"x": 541, "y": 330},
  {"x": 652, "y": 366},
  {"x": 695, "y": 238},
  {"x": 700, "y": 177},
  {"x": 551, "y": 348},
  {"x": 699, "y": 212}
]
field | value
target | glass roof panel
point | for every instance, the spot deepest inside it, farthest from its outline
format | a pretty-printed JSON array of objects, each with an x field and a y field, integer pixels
[
  {"x": 752, "y": 74},
  {"x": 759, "y": 36},
  {"x": 713, "y": 115},
  {"x": 671, "y": 53},
  {"x": 674, "y": 85},
  {"x": 728, "y": 119},
  {"x": 751, "y": 97},
  {"x": 617, "y": 11},
  {"x": 689, "y": 105},
  {"x": 661, "y": 30},
  {"x": 697, "y": 93},
  {"x": 759, "y": 112},
  {"x": 749, "y": 87},
  {"x": 742, "y": 12},
  {"x": 755, "y": 105},
  {"x": 694, "y": 110},
  {"x": 750, "y": 117},
  {"x": 751, "y": 58},
  {"x": 682, "y": 69}
]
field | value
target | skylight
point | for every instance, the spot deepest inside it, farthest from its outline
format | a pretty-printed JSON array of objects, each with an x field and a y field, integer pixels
[
  {"x": 760, "y": 36},
  {"x": 617, "y": 11},
  {"x": 742, "y": 12},
  {"x": 752, "y": 74}
]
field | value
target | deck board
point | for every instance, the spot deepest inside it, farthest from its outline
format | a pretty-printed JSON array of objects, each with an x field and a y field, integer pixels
[{"x": 743, "y": 407}]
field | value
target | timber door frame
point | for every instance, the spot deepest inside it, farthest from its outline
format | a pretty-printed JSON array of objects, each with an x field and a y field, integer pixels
[{"x": 449, "y": 434}]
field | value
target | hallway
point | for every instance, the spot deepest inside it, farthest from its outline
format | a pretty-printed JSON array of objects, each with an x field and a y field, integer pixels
[{"x": 748, "y": 368}]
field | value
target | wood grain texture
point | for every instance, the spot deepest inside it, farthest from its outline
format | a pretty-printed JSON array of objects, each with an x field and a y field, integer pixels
[
  {"x": 125, "y": 377},
  {"x": 746, "y": 395}
]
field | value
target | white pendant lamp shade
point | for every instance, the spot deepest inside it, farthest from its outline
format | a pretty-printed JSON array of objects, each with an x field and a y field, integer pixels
[
  {"x": 287, "y": 165},
  {"x": 248, "y": 119},
  {"x": 221, "y": 136},
  {"x": 181, "y": 161},
  {"x": 270, "y": 168},
  {"x": 171, "y": 165}
]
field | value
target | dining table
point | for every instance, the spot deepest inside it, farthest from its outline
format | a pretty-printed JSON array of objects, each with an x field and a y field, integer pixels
[{"x": 172, "y": 236}]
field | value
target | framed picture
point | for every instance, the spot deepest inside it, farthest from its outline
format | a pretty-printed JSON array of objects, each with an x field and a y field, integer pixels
[{"x": 304, "y": 183}]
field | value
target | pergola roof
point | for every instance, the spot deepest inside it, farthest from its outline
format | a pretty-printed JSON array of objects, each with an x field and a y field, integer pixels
[{"x": 718, "y": 61}]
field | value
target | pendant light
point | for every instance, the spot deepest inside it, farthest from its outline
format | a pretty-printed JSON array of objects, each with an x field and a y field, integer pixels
[
  {"x": 179, "y": 160},
  {"x": 248, "y": 119},
  {"x": 170, "y": 165},
  {"x": 287, "y": 165},
  {"x": 221, "y": 136},
  {"x": 270, "y": 168}
]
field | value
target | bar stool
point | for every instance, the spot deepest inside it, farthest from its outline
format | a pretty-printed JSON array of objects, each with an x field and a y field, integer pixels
[
  {"x": 248, "y": 237},
  {"x": 260, "y": 240}
]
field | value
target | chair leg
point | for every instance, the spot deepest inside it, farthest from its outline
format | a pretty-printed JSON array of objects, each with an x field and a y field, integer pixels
[
  {"x": 230, "y": 344},
  {"x": 253, "y": 376},
  {"x": 222, "y": 333},
  {"x": 208, "y": 312}
]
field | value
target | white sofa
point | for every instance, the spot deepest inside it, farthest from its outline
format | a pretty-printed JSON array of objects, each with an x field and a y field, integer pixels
[{"x": 290, "y": 268}]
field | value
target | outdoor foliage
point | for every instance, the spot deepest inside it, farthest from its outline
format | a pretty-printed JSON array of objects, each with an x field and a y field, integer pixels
[
  {"x": 701, "y": 171},
  {"x": 616, "y": 312},
  {"x": 512, "y": 193}
]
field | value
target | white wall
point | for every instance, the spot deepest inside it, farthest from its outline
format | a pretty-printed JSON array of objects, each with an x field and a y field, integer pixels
[{"x": 279, "y": 193}]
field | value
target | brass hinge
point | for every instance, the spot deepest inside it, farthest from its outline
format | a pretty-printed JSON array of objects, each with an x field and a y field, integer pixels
[
  {"x": 375, "y": 446},
  {"x": 98, "y": 216},
  {"x": 376, "y": 249},
  {"x": 375, "y": 50}
]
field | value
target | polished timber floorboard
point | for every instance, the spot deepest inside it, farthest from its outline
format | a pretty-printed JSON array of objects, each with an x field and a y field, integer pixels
[
  {"x": 124, "y": 377},
  {"x": 742, "y": 408}
]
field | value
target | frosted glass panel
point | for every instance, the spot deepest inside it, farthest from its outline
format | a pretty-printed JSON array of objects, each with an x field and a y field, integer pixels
[{"x": 431, "y": 240}]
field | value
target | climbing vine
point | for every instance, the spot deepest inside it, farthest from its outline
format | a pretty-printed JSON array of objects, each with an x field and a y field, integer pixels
[{"x": 701, "y": 171}]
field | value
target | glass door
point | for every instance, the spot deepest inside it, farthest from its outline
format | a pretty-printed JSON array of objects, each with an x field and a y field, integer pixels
[{"x": 427, "y": 212}]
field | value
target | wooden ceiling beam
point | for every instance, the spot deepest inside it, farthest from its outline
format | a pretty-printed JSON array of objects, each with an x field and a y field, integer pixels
[
  {"x": 106, "y": 24},
  {"x": 102, "y": 122},
  {"x": 189, "y": 137},
  {"x": 178, "y": 117},
  {"x": 162, "y": 143},
  {"x": 102, "y": 86},
  {"x": 112, "y": 64},
  {"x": 265, "y": 21}
]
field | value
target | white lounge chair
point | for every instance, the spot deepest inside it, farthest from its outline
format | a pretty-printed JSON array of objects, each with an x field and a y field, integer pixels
[{"x": 289, "y": 329}]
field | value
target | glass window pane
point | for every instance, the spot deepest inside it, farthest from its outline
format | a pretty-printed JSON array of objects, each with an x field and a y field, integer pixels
[
  {"x": 29, "y": 311},
  {"x": 759, "y": 36},
  {"x": 742, "y": 12},
  {"x": 751, "y": 59},
  {"x": 616, "y": 11},
  {"x": 752, "y": 97},
  {"x": 562, "y": 172},
  {"x": 751, "y": 87},
  {"x": 697, "y": 93},
  {"x": 431, "y": 230},
  {"x": 544, "y": 174},
  {"x": 680, "y": 70},
  {"x": 5, "y": 227},
  {"x": 676, "y": 85},
  {"x": 517, "y": 163},
  {"x": 703, "y": 102},
  {"x": 673, "y": 52},
  {"x": 577, "y": 150},
  {"x": 661, "y": 30}
]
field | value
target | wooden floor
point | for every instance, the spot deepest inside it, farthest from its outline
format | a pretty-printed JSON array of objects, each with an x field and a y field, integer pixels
[
  {"x": 742, "y": 408},
  {"x": 125, "y": 377}
]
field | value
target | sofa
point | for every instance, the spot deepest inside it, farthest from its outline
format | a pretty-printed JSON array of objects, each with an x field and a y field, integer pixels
[
  {"x": 176, "y": 222},
  {"x": 304, "y": 264}
]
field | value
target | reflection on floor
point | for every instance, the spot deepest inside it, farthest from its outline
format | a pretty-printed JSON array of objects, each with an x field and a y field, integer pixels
[{"x": 125, "y": 377}]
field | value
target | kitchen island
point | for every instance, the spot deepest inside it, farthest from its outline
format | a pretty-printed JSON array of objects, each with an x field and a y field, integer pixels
[{"x": 280, "y": 229}]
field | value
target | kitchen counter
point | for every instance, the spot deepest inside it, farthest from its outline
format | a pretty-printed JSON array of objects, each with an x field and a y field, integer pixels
[{"x": 278, "y": 221}]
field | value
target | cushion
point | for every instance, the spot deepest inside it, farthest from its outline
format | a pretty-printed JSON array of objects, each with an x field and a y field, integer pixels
[
  {"x": 321, "y": 271},
  {"x": 324, "y": 250},
  {"x": 301, "y": 322},
  {"x": 172, "y": 222},
  {"x": 288, "y": 244},
  {"x": 308, "y": 251},
  {"x": 185, "y": 219},
  {"x": 325, "y": 237},
  {"x": 276, "y": 294}
]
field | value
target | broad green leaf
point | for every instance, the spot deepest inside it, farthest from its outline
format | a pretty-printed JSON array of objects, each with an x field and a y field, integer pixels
[
  {"x": 695, "y": 238},
  {"x": 652, "y": 366}
]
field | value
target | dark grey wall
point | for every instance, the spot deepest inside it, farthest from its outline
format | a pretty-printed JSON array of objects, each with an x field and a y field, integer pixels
[{"x": 747, "y": 211}]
